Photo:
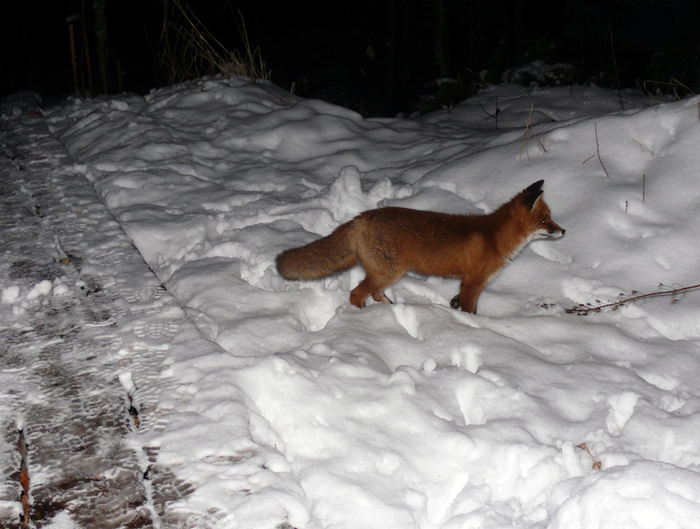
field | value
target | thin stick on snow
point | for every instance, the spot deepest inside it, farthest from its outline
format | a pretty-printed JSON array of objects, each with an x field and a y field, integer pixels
[
  {"x": 495, "y": 113},
  {"x": 597, "y": 150},
  {"x": 529, "y": 134},
  {"x": 584, "y": 310},
  {"x": 596, "y": 464}
]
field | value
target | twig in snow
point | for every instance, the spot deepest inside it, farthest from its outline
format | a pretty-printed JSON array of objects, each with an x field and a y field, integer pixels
[
  {"x": 643, "y": 147},
  {"x": 24, "y": 481},
  {"x": 528, "y": 136},
  {"x": 597, "y": 150},
  {"x": 588, "y": 308},
  {"x": 494, "y": 115},
  {"x": 596, "y": 464}
]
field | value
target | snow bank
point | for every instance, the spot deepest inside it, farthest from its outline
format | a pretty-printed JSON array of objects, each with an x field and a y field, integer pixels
[{"x": 416, "y": 415}]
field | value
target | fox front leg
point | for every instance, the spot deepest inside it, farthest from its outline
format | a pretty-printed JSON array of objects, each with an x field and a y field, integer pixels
[{"x": 467, "y": 297}]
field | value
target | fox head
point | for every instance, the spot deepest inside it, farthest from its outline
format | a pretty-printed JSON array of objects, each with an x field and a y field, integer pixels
[{"x": 540, "y": 219}]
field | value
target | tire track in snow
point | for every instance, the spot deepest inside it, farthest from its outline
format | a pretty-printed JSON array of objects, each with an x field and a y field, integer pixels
[
  {"x": 80, "y": 309},
  {"x": 65, "y": 405}
]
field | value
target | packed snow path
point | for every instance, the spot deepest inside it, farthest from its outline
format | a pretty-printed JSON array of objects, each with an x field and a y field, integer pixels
[
  {"x": 85, "y": 330},
  {"x": 231, "y": 398}
]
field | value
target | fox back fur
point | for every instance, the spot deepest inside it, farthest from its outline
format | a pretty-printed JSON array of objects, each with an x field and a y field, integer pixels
[{"x": 390, "y": 241}]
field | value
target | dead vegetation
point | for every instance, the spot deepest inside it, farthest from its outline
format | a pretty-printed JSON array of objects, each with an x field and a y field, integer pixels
[
  {"x": 189, "y": 50},
  {"x": 529, "y": 134}
]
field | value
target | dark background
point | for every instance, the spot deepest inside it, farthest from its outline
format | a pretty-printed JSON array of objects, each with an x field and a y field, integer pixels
[{"x": 378, "y": 57}]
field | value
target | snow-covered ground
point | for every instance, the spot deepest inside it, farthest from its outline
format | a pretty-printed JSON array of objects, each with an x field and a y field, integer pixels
[{"x": 292, "y": 408}]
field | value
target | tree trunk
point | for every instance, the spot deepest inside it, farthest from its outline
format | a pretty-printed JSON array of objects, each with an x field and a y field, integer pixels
[
  {"x": 440, "y": 38},
  {"x": 98, "y": 7}
]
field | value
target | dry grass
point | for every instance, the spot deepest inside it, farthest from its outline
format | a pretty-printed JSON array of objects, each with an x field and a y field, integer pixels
[
  {"x": 530, "y": 134},
  {"x": 190, "y": 51},
  {"x": 654, "y": 89}
]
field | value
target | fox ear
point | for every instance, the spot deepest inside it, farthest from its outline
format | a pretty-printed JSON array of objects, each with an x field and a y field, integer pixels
[
  {"x": 537, "y": 186},
  {"x": 532, "y": 193}
]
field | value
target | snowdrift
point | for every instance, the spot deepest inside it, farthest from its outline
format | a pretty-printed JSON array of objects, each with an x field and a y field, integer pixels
[{"x": 416, "y": 415}]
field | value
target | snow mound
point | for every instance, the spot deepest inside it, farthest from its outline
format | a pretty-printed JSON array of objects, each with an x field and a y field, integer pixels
[{"x": 416, "y": 415}]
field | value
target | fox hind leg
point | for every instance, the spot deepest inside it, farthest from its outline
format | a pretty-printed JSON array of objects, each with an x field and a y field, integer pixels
[
  {"x": 381, "y": 297},
  {"x": 361, "y": 292},
  {"x": 374, "y": 285},
  {"x": 367, "y": 288}
]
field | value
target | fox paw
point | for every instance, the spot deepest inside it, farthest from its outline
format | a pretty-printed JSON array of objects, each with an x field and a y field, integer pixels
[
  {"x": 381, "y": 297},
  {"x": 455, "y": 303}
]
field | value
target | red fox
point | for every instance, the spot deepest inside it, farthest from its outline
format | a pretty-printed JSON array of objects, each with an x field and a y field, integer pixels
[{"x": 390, "y": 241}]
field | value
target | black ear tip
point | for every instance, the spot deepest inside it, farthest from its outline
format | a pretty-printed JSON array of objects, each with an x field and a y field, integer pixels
[
  {"x": 536, "y": 186},
  {"x": 531, "y": 193}
]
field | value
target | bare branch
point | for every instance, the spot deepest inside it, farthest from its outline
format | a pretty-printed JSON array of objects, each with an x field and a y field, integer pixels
[
  {"x": 588, "y": 308},
  {"x": 495, "y": 113}
]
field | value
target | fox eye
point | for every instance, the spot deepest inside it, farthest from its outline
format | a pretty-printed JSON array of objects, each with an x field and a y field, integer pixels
[{"x": 544, "y": 221}]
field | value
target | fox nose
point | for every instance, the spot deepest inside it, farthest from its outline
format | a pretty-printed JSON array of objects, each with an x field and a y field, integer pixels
[{"x": 563, "y": 231}]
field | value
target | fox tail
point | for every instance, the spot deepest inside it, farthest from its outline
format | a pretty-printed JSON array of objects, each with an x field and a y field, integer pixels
[{"x": 321, "y": 258}]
